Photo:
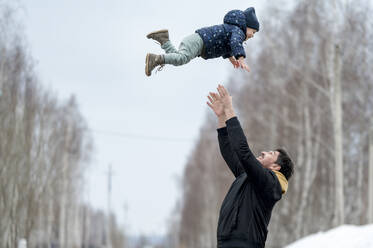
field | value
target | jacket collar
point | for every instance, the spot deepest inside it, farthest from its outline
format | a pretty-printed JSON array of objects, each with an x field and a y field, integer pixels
[{"x": 283, "y": 182}]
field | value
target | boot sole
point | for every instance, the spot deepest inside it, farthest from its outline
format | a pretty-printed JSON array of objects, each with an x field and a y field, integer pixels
[
  {"x": 156, "y": 32},
  {"x": 147, "y": 65}
]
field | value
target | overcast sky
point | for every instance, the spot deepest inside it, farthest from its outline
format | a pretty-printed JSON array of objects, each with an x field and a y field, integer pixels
[{"x": 145, "y": 127}]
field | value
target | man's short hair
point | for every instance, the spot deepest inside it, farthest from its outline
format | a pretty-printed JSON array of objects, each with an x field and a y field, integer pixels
[{"x": 283, "y": 160}]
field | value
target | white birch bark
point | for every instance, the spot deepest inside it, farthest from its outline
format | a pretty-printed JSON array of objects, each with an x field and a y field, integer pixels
[
  {"x": 336, "y": 102},
  {"x": 370, "y": 180},
  {"x": 63, "y": 205},
  {"x": 334, "y": 57}
]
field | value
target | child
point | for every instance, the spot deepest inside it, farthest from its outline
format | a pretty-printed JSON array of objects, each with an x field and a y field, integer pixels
[{"x": 210, "y": 42}]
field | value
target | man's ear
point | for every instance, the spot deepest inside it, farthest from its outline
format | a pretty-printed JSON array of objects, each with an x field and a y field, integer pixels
[{"x": 275, "y": 167}]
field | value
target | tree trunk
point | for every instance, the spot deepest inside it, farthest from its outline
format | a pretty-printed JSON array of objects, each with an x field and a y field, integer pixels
[
  {"x": 338, "y": 138},
  {"x": 64, "y": 193},
  {"x": 370, "y": 180}
]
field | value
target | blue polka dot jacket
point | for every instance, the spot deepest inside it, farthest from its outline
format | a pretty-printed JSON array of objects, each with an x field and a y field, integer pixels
[{"x": 226, "y": 39}]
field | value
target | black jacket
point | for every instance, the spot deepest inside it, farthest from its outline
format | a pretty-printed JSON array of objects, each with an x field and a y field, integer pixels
[{"x": 247, "y": 207}]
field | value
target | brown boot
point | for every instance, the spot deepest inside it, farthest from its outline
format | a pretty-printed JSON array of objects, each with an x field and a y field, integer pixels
[
  {"x": 161, "y": 36},
  {"x": 152, "y": 61}
]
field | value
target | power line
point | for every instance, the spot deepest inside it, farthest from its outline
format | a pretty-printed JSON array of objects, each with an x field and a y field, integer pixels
[{"x": 140, "y": 137}]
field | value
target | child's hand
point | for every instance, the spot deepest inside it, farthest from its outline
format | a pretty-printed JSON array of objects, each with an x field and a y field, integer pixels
[
  {"x": 242, "y": 64},
  {"x": 234, "y": 62}
]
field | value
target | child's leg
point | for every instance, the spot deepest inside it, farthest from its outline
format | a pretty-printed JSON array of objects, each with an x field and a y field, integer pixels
[
  {"x": 168, "y": 47},
  {"x": 190, "y": 47}
]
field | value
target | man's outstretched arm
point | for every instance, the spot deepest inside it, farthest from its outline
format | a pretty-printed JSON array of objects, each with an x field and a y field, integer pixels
[
  {"x": 226, "y": 149},
  {"x": 250, "y": 164}
]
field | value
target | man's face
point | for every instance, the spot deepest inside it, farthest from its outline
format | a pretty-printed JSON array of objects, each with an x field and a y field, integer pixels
[
  {"x": 250, "y": 33},
  {"x": 268, "y": 160}
]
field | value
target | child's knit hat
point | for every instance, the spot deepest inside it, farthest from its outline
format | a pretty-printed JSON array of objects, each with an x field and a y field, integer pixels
[{"x": 251, "y": 20}]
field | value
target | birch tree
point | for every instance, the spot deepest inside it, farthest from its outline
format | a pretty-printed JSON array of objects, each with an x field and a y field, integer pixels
[{"x": 370, "y": 180}]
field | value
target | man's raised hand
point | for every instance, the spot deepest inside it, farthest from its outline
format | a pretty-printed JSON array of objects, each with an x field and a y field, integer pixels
[
  {"x": 216, "y": 104},
  {"x": 224, "y": 96},
  {"x": 226, "y": 99}
]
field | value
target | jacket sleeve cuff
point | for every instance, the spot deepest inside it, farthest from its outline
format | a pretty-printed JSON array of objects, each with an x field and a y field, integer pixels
[
  {"x": 222, "y": 131},
  {"x": 225, "y": 56},
  {"x": 233, "y": 122},
  {"x": 240, "y": 55}
]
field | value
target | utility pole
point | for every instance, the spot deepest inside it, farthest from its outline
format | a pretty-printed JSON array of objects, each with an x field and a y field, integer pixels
[
  {"x": 63, "y": 235},
  {"x": 108, "y": 235}
]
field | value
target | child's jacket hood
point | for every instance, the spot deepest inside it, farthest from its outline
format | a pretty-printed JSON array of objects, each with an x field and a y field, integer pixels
[{"x": 237, "y": 18}]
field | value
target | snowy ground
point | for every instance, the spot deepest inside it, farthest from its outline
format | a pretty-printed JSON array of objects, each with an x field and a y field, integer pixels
[{"x": 346, "y": 236}]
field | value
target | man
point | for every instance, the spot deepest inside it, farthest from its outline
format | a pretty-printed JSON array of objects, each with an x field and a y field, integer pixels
[{"x": 259, "y": 184}]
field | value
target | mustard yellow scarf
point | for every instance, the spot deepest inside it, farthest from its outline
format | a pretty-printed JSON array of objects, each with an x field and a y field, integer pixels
[{"x": 282, "y": 180}]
